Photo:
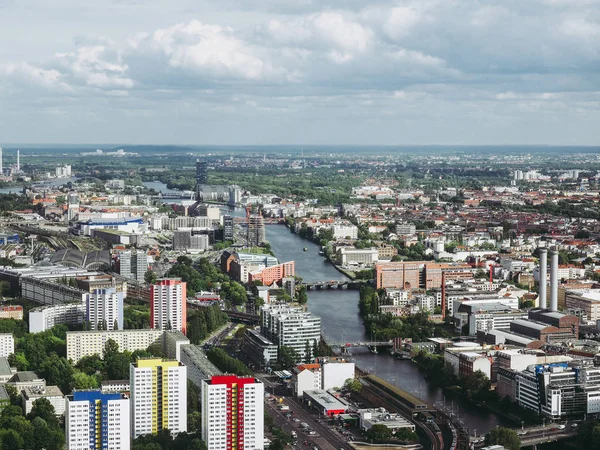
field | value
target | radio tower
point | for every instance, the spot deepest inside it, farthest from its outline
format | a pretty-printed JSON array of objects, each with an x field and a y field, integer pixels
[{"x": 1, "y": 166}]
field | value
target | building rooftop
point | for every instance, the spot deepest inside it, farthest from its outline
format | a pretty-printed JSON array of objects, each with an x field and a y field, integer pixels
[
  {"x": 5, "y": 367},
  {"x": 32, "y": 392},
  {"x": 530, "y": 324},
  {"x": 22, "y": 377},
  {"x": 325, "y": 399},
  {"x": 4, "y": 397},
  {"x": 199, "y": 359}
]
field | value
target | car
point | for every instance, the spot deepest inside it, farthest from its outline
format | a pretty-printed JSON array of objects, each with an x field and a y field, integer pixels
[
  {"x": 296, "y": 420},
  {"x": 521, "y": 432},
  {"x": 561, "y": 427},
  {"x": 573, "y": 425},
  {"x": 312, "y": 433},
  {"x": 553, "y": 429}
]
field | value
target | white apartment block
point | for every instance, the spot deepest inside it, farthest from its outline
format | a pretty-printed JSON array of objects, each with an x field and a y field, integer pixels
[
  {"x": 104, "y": 309},
  {"x": 168, "y": 305},
  {"x": 88, "y": 343},
  {"x": 232, "y": 413},
  {"x": 158, "y": 396},
  {"x": 7, "y": 344},
  {"x": 45, "y": 317},
  {"x": 97, "y": 421},
  {"x": 290, "y": 327}
]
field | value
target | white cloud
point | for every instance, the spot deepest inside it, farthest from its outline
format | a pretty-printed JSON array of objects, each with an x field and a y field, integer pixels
[{"x": 210, "y": 50}]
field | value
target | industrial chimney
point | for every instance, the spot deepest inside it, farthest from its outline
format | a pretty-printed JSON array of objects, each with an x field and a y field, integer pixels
[
  {"x": 543, "y": 277},
  {"x": 553, "y": 280}
]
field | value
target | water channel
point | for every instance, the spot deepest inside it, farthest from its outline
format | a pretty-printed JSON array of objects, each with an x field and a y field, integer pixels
[{"x": 340, "y": 321}]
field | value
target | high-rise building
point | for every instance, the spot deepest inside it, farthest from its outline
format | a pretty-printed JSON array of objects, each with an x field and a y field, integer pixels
[
  {"x": 1, "y": 163},
  {"x": 104, "y": 309},
  {"x": 168, "y": 305},
  {"x": 133, "y": 264},
  {"x": 97, "y": 421},
  {"x": 227, "y": 228},
  {"x": 290, "y": 327},
  {"x": 256, "y": 229},
  {"x": 232, "y": 413},
  {"x": 158, "y": 396},
  {"x": 201, "y": 172}
]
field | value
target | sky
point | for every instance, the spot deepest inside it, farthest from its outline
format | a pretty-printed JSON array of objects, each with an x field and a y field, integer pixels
[{"x": 268, "y": 72}]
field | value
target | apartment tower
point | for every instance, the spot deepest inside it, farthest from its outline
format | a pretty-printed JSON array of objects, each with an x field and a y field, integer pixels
[
  {"x": 232, "y": 413},
  {"x": 168, "y": 305},
  {"x": 158, "y": 396},
  {"x": 97, "y": 421}
]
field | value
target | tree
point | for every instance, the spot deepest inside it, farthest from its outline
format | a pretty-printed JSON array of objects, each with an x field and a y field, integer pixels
[
  {"x": 379, "y": 433},
  {"x": 150, "y": 277},
  {"x": 352, "y": 385},
  {"x": 43, "y": 409},
  {"x": 90, "y": 365},
  {"x": 503, "y": 436},
  {"x": 84, "y": 381},
  {"x": 57, "y": 371},
  {"x": 307, "y": 353},
  {"x": 287, "y": 358},
  {"x": 302, "y": 295}
]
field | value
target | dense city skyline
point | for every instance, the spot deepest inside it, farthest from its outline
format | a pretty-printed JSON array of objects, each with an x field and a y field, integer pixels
[{"x": 406, "y": 72}]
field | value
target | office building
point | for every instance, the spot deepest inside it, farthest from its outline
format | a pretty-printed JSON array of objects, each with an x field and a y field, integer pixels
[
  {"x": 104, "y": 310},
  {"x": 269, "y": 275},
  {"x": 228, "y": 228},
  {"x": 133, "y": 264},
  {"x": 348, "y": 256},
  {"x": 168, "y": 305},
  {"x": 30, "y": 394},
  {"x": 97, "y": 421},
  {"x": 417, "y": 274},
  {"x": 45, "y": 317},
  {"x": 256, "y": 230},
  {"x": 184, "y": 240},
  {"x": 158, "y": 396},
  {"x": 290, "y": 327},
  {"x": 201, "y": 172},
  {"x": 232, "y": 413},
  {"x": 7, "y": 344}
]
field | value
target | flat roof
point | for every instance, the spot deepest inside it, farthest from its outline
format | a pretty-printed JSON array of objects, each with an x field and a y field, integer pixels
[
  {"x": 41, "y": 391},
  {"x": 325, "y": 400},
  {"x": 531, "y": 324}
]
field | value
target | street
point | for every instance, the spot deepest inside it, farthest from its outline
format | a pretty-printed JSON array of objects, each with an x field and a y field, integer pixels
[{"x": 325, "y": 438}]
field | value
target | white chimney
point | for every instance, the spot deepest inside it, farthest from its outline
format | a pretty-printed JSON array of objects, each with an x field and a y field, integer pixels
[
  {"x": 543, "y": 278},
  {"x": 553, "y": 280}
]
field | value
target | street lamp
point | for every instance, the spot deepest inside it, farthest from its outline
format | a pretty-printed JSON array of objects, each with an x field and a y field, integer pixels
[{"x": 522, "y": 425}]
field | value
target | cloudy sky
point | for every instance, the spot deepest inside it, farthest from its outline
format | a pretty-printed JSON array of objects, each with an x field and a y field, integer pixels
[{"x": 300, "y": 71}]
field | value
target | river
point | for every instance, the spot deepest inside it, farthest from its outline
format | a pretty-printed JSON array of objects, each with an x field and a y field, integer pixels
[{"x": 340, "y": 322}]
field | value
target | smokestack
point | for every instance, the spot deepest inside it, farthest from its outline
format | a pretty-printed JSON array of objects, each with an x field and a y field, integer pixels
[
  {"x": 491, "y": 274},
  {"x": 543, "y": 277},
  {"x": 553, "y": 280}
]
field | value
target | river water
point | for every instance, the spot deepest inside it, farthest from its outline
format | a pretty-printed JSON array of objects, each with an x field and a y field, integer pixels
[{"x": 340, "y": 322}]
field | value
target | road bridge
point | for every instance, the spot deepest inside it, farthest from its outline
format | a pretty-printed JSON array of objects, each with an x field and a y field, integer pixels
[
  {"x": 362, "y": 344},
  {"x": 333, "y": 284},
  {"x": 234, "y": 316},
  {"x": 266, "y": 221}
]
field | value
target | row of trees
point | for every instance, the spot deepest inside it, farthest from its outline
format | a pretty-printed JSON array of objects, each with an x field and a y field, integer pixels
[
  {"x": 202, "y": 322},
  {"x": 226, "y": 363}
]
